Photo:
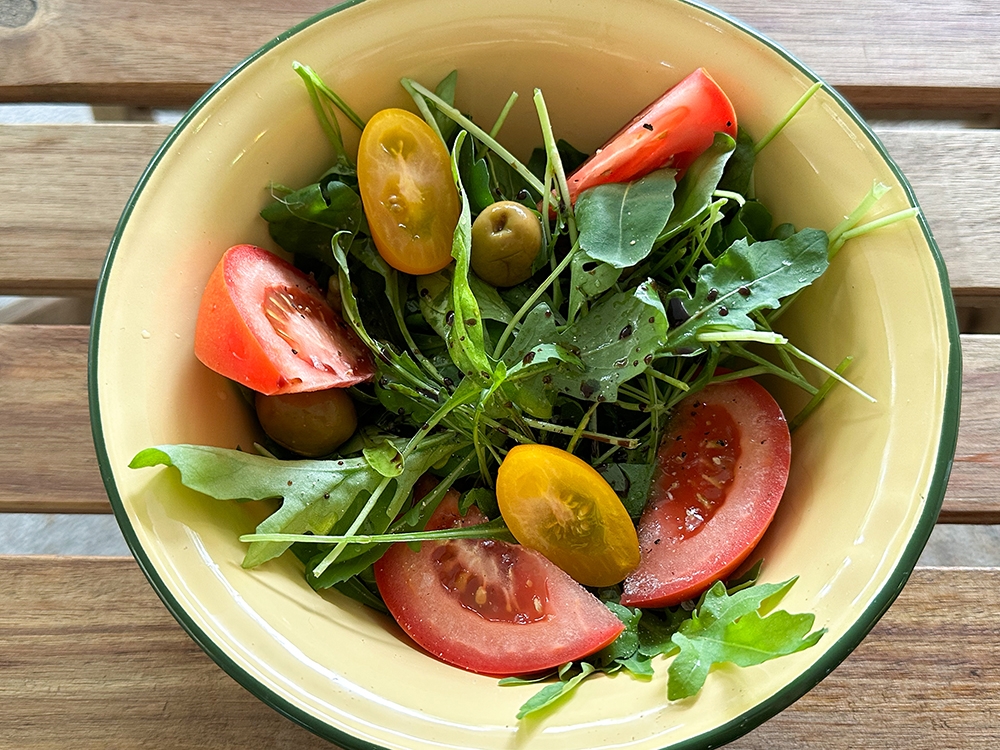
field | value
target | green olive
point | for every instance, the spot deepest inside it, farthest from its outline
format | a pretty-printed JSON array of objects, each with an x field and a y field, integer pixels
[
  {"x": 311, "y": 424},
  {"x": 506, "y": 238}
]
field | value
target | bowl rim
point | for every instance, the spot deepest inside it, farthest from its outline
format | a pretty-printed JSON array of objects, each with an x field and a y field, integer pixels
[{"x": 721, "y": 734}]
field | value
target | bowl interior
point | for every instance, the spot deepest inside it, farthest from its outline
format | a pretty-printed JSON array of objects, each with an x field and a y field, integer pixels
[{"x": 866, "y": 480}]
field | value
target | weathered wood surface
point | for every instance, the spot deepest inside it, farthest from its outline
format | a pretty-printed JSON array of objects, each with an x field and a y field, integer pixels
[
  {"x": 47, "y": 458},
  {"x": 48, "y": 465},
  {"x": 883, "y": 54},
  {"x": 63, "y": 188},
  {"x": 91, "y": 659},
  {"x": 67, "y": 186}
]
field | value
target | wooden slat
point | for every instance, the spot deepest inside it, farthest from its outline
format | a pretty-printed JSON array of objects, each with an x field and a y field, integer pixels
[
  {"x": 47, "y": 463},
  {"x": 949, "y": 170},
  {"x": 47, "y": 459},
  {"x": 86, "y": 640},
  {"x": 63, "y": 188},
  {"x": 139, "y": 53},
  {"x": 888, "y": 53},
  {"x": 974, "y": 487},
  {"x": 70, "y": 183}
]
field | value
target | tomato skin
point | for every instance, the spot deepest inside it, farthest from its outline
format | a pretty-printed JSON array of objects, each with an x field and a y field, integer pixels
[
  {"x": 561, "y": 506},
  {"x": 265, "y": 324},
  {"x": 680, "y": 559},
  {"x": 553, "y": 619},
  {"x": 409, "y": 195},
  {"x": 672, "y": 132}
]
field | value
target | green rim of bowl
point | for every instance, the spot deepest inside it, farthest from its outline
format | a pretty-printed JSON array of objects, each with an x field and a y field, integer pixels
[{"x": 733, "y": 729}]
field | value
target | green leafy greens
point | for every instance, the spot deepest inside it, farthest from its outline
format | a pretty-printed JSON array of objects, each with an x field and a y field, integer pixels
[{"x": 641, "y": 291}]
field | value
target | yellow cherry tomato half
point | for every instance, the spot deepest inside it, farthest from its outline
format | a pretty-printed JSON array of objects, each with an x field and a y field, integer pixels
[
  {"x": 409, "y": 195},
  {"x": 559, "y": 505}
]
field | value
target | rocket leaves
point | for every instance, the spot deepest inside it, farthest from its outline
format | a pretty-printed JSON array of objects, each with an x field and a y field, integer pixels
[{"x": 745, "y": 279}]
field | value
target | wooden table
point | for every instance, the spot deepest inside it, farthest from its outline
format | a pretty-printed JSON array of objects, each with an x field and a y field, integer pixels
[{"x": 89, "y": 658}]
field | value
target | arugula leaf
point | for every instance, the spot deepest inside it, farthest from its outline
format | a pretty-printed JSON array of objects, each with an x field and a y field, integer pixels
[
  {"x": 739, "y": 168},
  {"x": 466, "y": 335},
  {"x": 747, "y": 278},
  {"x": 475, "y": 175},
  {"x": 554, "y": 691},
  {"x": 436, "y": 306},
  {"x": 695, "y": 189},
  {"x": 570, "y": 156},
  {"x": 729, "y": 628},
  {"x": 752, "y": 222},
  {"x": 613, "y": 343},
  {"x": 631, "y": 482},
  {"x": 315, "y": 494},
  {"x": 620, "y": 221},
  {"x": 446, "y": 90},
  {"x": 304, "y": 222},
  {"x": 588, "y": 278}
]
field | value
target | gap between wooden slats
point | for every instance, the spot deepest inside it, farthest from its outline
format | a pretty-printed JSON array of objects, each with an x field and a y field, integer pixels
[
  {"x": 881, "y": 54},
  {"x": 48, "y": 465},
  {"x": 67, "y": 185},
  {"x": 85, "y": 640}
]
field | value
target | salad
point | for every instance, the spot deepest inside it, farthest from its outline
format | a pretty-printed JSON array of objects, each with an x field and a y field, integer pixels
[{"x": 511, "y": 404}]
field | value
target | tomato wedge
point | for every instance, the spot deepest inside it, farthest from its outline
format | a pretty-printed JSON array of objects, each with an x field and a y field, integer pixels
[
  {"x": 561, "y": 506},
  {"x": 409, "y": 194},
  {"x": 266, "y": 325},
  {"x": 721, "y": 470},
  {"x": 673, "y": 131},
  {"x": 488, "y": 606}
]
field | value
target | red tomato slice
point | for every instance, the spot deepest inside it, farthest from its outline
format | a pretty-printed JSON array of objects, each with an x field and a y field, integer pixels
[
  {"x": 673, "y": 131},
  {"x": 488, "y": 606},
  {"x": 265, "y": 324},
  {"x": 721, "y": 471}
]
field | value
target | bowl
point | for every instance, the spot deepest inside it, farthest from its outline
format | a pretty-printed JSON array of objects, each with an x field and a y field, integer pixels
[{"x": 867, "y": 479}]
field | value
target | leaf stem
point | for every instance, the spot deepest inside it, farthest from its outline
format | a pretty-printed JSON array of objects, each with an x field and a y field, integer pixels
[
  {"x": 759, "y": 145},
  {"x": 484, "y": 137},
  {"x": 502, "y": 117},
  {"x": 822, "y": 393},
  {"x": 867, "y": 204},
  {"x": 495, "y": 529},
  {"x": 530, "y": 302},
  {"x": 794, "y": 350},
  {"x": 552, "y": 155},
  {"x": 306, "y": 72},
  {"x": 421, "y": 103},
  {"x": 884, "y": 221}
]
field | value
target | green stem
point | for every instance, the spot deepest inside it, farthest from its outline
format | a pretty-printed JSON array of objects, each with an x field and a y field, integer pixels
[
  {"x": 867, "y": 204},
  {"x": 679, "y": 384},
  {"x": 421, "y": 103},
  {"x": 794, "y": 350},
  {"x": 580, "y": 428},
  {"x": 305, "y": 71},
  {"x": 884, "y": 221},
  {"x": 530, "y": 302},
  {"x": 759, "y": 145},
  {"x": 607, "y": 454},
  {"x": 772, "y": 368},
  {"x": 822, "y": 393},
  {"x": 749, "y": 372},
  {"x": 477, "y": 132},
  {"x": 758, "y": 337},
  {"x": 552, "y": 155},
  {"x": 502, "y": 117},
  {"x": 495, "y": 529}
]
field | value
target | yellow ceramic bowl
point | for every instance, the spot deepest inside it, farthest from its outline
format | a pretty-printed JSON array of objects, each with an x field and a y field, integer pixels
[{"x": 867, "y": 480}]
